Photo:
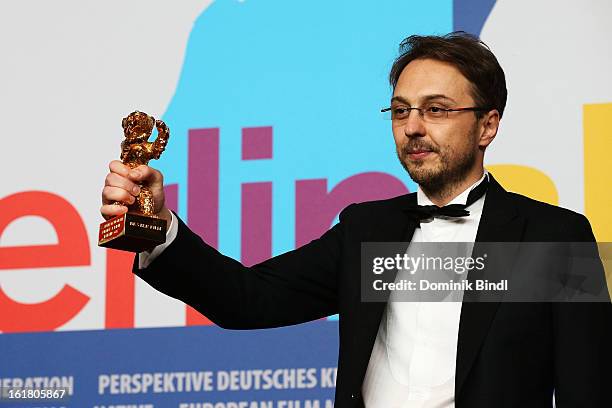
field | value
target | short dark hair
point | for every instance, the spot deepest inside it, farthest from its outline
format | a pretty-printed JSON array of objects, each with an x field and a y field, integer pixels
[{"x": 468, "y": 54}]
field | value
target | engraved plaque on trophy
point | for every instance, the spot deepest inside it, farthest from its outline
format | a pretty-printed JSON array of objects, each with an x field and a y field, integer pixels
[{"x": 139, "y": 229}]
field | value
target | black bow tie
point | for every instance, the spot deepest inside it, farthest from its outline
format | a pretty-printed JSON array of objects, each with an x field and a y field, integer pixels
[{"x": 423, "y": 212}]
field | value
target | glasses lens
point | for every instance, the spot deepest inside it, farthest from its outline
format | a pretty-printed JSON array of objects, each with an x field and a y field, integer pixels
[{"x": 435, "y": 116}]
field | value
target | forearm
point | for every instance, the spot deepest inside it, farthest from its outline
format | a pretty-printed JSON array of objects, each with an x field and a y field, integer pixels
[{"x": 291, "y": 288}]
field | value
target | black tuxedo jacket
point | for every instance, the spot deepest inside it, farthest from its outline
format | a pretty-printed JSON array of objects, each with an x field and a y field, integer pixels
[{"x": 508, "y": 354}]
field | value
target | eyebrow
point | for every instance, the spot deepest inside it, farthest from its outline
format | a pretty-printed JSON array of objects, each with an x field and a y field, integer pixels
[{"x": 426, "y": 98}]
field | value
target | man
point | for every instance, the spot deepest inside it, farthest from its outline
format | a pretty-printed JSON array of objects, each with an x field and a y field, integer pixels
[{"x": 449, "y": 95}]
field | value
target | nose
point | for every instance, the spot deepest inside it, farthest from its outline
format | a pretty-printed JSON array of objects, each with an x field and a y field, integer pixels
[{"x": 414, "y": 125}]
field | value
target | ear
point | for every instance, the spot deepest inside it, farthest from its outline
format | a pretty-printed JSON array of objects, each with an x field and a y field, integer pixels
[{"x": 489, "y": 125}]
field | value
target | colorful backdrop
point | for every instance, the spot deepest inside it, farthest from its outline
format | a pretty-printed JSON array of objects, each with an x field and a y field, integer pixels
[{"x": 274, "y": 110}]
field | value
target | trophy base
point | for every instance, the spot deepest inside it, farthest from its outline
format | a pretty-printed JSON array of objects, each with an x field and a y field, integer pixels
[{"x": 132, "y": 233}]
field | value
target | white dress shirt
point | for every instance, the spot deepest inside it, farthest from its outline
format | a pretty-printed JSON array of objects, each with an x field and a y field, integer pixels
[
  {"x": 413, "y": 360},
  {"x": 145, "y": 258},
  {"x": 412, "y": 364}
]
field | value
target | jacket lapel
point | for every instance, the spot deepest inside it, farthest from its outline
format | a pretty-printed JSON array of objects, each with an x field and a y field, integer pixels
[
  {"x": 500, "y": 222},
  {"x": 392, "y": 226}
]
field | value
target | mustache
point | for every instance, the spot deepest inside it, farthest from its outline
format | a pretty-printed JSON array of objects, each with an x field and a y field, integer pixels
[{"x": 413, "y": 145}]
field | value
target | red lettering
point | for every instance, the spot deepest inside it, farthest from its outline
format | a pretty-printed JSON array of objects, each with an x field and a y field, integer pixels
[
  {"x": 72, "y": 249},
  {"x": 119, "y": 309}
]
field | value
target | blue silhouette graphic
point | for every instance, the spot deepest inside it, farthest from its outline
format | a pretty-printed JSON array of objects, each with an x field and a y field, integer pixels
[
  {"x": 470, "y": 15},
  {"x": 316, "y": 72}
]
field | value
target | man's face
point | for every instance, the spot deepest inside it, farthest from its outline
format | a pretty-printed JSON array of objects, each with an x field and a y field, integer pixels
[{"x": 439, "y": 154}]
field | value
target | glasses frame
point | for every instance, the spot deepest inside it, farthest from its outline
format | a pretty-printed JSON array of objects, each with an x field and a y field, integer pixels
[{"x": 447, "y": 110}]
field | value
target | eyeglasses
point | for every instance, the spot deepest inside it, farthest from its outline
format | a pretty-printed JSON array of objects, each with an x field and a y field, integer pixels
[{"x": 429, "y": 113}]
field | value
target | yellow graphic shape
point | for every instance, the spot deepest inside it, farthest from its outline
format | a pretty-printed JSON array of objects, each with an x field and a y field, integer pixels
[
  {"x": 597, "y": 119},
  {"x": 598, "y": 168},
  {"x": 526, "y": 181}
]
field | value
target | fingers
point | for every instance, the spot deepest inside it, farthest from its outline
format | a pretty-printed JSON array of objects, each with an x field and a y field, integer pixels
[
  {"x": 139, "y": 174},
  {"x": 113, "y": 194},
  {"x": 111, "y": 210},
  {"x": 146, "y": 174},
  {"x": 118, "y": 167},
  {"x": 122, "y": 185},
  {"x": 115, "y": 180},
  {"x": 118, "y": 188}
]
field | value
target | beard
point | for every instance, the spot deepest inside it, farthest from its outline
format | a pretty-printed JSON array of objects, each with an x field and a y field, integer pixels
[{"x": 450, "y": 170}]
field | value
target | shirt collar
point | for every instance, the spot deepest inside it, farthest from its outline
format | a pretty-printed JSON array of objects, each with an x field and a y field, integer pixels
[{"x": 422, "y": 199}]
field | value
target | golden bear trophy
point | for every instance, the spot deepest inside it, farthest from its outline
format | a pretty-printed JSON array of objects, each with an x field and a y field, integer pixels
[{"x": 139, "y": 229}]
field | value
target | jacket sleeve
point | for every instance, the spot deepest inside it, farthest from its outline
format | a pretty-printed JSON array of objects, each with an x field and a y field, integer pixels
[
  {"x": 583, "y": 344},
  {"x": 295, "y": 287}
]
